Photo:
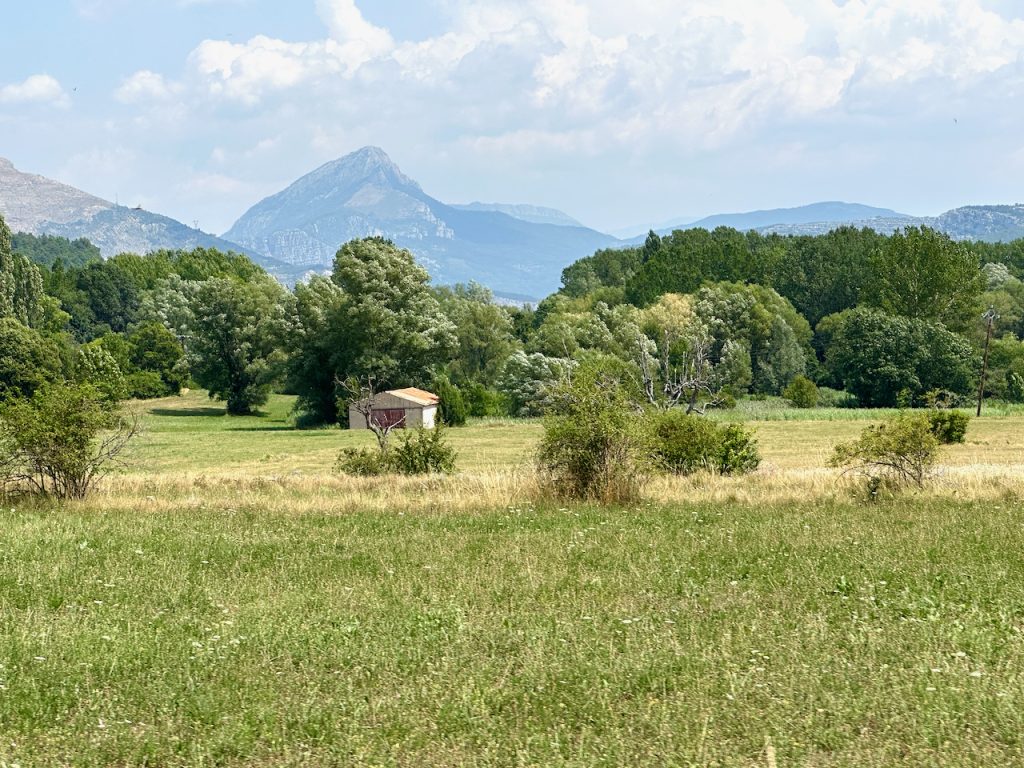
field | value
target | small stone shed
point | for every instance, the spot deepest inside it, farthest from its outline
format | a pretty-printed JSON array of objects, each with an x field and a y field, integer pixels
[{"x": 398, "y": 408}]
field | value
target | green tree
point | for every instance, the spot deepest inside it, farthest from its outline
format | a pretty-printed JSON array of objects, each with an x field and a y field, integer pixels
[
  {"x": 28, "y": 360},
  {"x": 877, "y": 356},
  {"x": 97, "y": 367},
  {"x": 154, "y": 349},
  {"x": 483, "y": 333},
  {"x": 376, "y": 319},
  {"x": 22, "y": 293},
  {"x": 527, "y": 379},
  {"x": 237, "y": 338},
  {"x": 923, "y": 274}
]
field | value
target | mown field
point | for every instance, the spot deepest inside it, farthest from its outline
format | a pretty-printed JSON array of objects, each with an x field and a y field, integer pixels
[{"x": 229, "y": 601}]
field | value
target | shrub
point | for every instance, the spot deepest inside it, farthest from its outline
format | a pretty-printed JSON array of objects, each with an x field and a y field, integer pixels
[
  {"x": 418, "y": 452},
  {"x": 146, "y": 385},
  {"x": 62, "y": 440},
  {"x": 739, "y": 454},
  {"x": 595, "y": 446},
  {"x": 949, "y": 427},
  {"x": 835, "y": 398},
  {"x": 481, "y": 401},
  {"x": 1014, "y": 387},
  {"x": 801, "y": 392},
  {"x": 452, "y": 407},
  {"x": 422, "y": 452},
  {"x": 685, "y": 443},
  {"x": 363, "y": 462},
  {"x": 898, "y": 453}
]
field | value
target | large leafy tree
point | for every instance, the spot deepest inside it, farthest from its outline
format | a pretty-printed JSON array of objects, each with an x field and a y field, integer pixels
[
  {"x": 155, "y": 349},
  {"x": 826, "y": 274},
  {"x": 757, "y": 319},
  {"x": 21, "y": 286},
  {"x": 376, "y": 319},
  {"x": 883, "y": 359},
  {"x": 922, "y": 274},
  {"x": 28, "y": 360},
  {"x": 237, "y": 335},
  {"x": 483, "y": 332}
]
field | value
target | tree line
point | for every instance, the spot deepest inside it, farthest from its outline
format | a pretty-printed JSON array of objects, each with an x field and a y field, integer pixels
[{"x": 694, "y": 319}]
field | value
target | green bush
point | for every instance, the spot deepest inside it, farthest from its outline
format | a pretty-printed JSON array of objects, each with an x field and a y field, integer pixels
[
  {"x": 897, "y": 453},
  {"x": 422, "y": 452},
  {"x": 481, "y": 401},
  {"x": 418, "y": 452},
  {"x": 801, "y": 392},
  {"x": 452, "y": 407},
  {"x": 949, "y": 427},
  {"x": 1014, "y": 387},
  {"x": 363, "y": 462},
  {"x": 835, "y": 398},
  {"x": 595, "y": 446},
  {"x": 62, "y": 440},
  {"x": 739, "y": 454},
  {"x": 686, "y": 443},
  {"x": 146, "y": 385}
]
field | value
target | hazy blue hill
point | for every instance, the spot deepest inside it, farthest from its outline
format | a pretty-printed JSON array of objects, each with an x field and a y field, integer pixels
[
  {"x": 365, "y": 193},
  {"x": 534, "y": 214},
  {"x": 815, "y": 213}
]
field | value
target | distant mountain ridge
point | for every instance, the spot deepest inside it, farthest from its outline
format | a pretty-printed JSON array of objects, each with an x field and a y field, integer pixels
[
  {"x": 365, "y": 194},
  {"x": 516, "y": 250},
  {"x": 831, "y": 211},
  {"x": 41, "y": 206},
  {"x": 535, "y": 214},
  {"x": 972, "y": 222}
]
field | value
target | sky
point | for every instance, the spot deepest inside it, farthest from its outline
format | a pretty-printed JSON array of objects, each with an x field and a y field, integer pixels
[{"x": 622, "y": 114}]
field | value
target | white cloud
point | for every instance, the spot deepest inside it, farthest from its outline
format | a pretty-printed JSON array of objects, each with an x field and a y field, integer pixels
[
  {"x": 521, "y": 85},
  {"x": 37, "y": 89},
  {"x": 146, "y": 86},
  {"x": 550, "y": 65}
]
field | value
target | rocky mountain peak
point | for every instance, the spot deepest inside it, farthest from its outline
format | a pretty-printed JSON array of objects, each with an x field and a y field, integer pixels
[{"x": 369, "y": 165}]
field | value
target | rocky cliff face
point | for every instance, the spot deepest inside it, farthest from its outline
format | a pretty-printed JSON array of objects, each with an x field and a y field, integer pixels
[
  {"x": 365, "y": 194},
  {"x": 29, "y": 202},
  {"x": 41, "y": 206}
]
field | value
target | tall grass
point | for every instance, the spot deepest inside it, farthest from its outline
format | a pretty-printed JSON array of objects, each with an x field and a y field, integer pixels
[{"x": 520, "y": 635}]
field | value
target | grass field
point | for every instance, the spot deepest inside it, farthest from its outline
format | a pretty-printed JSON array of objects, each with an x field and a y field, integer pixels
[{"x": 229, "y": 601}]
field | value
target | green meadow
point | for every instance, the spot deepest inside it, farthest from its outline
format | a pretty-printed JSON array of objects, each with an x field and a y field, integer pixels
[{"x": 228, "y": 600}]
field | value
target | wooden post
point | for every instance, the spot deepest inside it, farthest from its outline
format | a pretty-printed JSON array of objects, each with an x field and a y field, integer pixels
[{"x": 991, "y": 317}]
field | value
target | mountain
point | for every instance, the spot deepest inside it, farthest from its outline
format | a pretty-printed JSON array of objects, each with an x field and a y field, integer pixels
[
  {"x": 533, "y": 213},
  {"x": 833, "y": 212},
  {"x": 365, "y": 193},
  {"x": 974, "y": 222},
  {"x": 983, "y": 222},
  {"x": 41, "y": 206}
]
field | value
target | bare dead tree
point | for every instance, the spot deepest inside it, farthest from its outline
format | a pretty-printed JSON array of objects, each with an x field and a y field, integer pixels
[
  {"x": 362, "y": 394},
  {"x": 694, "y": 376}
]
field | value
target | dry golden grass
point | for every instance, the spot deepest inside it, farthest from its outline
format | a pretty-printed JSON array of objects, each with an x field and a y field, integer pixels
[{"x": 194, "y": 457}]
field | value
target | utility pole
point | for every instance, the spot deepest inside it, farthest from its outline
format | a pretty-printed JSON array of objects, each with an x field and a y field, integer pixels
[{"x": 991, "y": 317}]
